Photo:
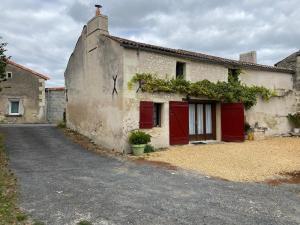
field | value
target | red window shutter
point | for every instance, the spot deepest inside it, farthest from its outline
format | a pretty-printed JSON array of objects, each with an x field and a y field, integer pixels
[{"x": 146, "y": 115}]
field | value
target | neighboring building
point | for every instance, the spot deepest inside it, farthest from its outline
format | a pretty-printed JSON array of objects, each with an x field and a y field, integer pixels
[
  {"x": 100, "y": 105},
  {"x": 22, "y": 98},
  {"x": 56, "y": 103}
]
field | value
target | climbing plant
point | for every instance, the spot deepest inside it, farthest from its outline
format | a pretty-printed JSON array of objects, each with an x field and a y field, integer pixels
[{"x": 232, "y": 91}]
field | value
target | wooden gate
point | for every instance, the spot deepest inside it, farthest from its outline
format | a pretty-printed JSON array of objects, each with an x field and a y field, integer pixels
[
  {"x": 232, "y": 122},
  {"x": 179, "y": 123}
]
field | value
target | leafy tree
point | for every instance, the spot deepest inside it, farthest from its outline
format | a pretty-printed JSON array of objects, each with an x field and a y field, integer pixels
[{"x": 3, "y": 60}]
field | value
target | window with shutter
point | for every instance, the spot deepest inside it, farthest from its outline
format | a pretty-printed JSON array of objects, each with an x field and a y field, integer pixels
[{"x": 146, "y": 115}]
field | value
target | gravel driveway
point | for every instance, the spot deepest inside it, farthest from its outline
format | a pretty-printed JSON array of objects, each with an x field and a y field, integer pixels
[{"x": 62, "y": 183}]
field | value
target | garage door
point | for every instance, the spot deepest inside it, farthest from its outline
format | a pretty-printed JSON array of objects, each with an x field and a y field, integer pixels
[
  {"x": 179, "y": 123},
  {"x": 232, "y": 122}
]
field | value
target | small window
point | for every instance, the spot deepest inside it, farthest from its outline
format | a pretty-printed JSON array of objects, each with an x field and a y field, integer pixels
[
  {"x": 157, "y": 114},
  {"x": 180, "y": 70},
  {"x": 8, "y": 75},
  {"x": 14, "y": 107}
]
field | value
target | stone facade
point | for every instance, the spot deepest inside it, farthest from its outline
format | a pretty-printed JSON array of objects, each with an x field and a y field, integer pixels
[
  {"x": 56, "y": 104},
  {"x": 100, "y": 105},
  {"x": 24, "y": 91}
]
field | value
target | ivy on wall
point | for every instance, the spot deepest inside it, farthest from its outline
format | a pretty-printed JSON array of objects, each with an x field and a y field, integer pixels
[{"x": 232, "y": 91}]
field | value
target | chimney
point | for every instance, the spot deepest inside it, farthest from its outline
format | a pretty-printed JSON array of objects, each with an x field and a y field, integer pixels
[
  {"x": 249, "y": 57},
  {"x": 98, "y": 23}
]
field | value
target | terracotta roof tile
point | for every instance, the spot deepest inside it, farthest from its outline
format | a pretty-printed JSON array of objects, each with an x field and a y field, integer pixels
[{"x": 28, "y": 70}]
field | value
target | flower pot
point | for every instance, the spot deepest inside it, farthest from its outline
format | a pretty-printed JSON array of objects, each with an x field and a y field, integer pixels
[
  {"x": 138, "y": 150},
  {"x": 296, "y": 130}
]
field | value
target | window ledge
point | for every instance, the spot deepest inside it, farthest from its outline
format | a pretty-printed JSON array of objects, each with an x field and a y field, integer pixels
[{"x": 12, "y": 115}]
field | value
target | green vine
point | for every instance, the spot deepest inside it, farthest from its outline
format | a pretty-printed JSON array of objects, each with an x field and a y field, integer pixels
[{"x": 232, "y": 91}]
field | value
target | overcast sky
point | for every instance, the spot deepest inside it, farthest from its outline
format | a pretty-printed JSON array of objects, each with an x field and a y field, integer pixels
[{"x": 42, "y": 33}]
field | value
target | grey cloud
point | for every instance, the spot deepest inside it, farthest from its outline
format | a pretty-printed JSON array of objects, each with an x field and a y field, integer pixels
[{"x": 42, "y": 33}]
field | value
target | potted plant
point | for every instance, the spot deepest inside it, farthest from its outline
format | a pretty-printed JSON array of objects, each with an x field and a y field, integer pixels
[
  {"x": 138, "y": 140},
  {"x": 249, "y": 133},
  {"x": 295, "y": 120}
]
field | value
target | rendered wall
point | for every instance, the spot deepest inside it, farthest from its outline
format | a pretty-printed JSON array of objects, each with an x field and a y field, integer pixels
[
  {"x": 30, "y": 90},
  {"x": 140, "y": 62},
  {"x": 272, "y": 114},
  {"x": 92, "y": 109}
]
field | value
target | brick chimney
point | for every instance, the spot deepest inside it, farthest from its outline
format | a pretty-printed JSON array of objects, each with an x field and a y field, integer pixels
[
  {"x": 99, "y": 23},
  {"x": 248, "y": 57}
]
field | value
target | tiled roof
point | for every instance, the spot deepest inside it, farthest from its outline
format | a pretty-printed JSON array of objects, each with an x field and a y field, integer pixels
[
  {"x": 197, "y": 56},
  {"x": 292, "y": 56},
  {"x": 55, "y": 89},
  {"x": 28, "y": 70}
]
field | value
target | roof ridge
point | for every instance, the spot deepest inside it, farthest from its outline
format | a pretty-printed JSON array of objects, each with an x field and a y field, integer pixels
[
  {"x": 28, "y": 70},
  {"x": 198, "y": 55}
]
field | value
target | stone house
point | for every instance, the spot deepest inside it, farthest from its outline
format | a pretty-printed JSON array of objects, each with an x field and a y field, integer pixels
[
  {"x": 55, "y": 100},
  {"x": 101, "y": 106},
  {"x": 22, "y": 96}
]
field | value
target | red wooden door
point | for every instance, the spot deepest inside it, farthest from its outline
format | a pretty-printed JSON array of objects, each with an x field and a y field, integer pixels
[
  {"x": 179, "y": 123},
  {"x": 232, "y": 122}
]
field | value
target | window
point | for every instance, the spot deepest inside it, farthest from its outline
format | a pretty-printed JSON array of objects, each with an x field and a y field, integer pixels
[
  {"x": 8, "y": 75},
  {"x": 180, "y": 69},
  {"x": 157, "y": 114},
  {"x": 14, "y": 107},
  {"x": 150, "y": 114}
]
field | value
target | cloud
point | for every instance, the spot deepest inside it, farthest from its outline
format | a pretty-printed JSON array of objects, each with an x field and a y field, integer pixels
[{"x": 42, "y": 33}]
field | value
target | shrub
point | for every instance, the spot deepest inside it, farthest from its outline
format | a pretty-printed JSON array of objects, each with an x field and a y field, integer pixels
[
  {"x": 294, "y": 119},
  {"x": 139, "y": 138},
  {"x": 247, "y": 127},
  {"x": 21, "y": 217},
  {"x": 149, "y": 149},
  {"x": 84, "y": 222},
  {"x": 62, "y": 124},
  {"x": 38, "y": 223}
]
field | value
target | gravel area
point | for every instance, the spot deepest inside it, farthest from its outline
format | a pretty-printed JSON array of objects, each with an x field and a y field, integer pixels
[{"x": 248, "y": 161}]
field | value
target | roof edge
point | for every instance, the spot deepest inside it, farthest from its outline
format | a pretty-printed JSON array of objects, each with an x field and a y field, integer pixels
[
  {"x": 197, "y": 56},
  {"x": 28, "y": 70}
]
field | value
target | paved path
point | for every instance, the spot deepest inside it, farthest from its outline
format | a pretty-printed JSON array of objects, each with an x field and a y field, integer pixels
[{"x": 62, "y": 183}]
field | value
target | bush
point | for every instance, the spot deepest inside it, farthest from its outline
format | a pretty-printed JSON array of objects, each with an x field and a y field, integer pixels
[
  {"x": 294, "y": 119},
  {"x": 149, "y": 149},
  {"x": 139, "y": 138},
  {"x": 62, "y": 125},
  {"x": 247, "y": 127},
  {"x": 84, "y": 222}
]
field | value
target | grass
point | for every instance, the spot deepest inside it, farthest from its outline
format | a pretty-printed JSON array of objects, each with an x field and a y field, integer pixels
[
  {"x": 84, "y": 222},
  {"x": 9, "y": 212},
  {"x": 61, "y": 124}
]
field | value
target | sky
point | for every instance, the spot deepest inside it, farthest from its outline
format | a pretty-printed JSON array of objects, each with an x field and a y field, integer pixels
[{"x": 41, "y": 34}]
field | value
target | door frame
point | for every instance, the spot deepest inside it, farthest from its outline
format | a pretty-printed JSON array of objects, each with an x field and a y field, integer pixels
[{"x": 202, "y": 137}]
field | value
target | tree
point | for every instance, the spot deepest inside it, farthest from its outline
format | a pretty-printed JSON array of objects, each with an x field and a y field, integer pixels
[{"x": 3, "y": 60}]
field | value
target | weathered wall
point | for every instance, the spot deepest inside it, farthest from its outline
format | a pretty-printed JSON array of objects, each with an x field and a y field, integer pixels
[
  {"x": 56, "y": 104},
  {"x": 30, "y": 89},
  {"x": 145, "y": 62},
  {"x": 92, "y": 109},
  {"x": 271, "y": 114}
]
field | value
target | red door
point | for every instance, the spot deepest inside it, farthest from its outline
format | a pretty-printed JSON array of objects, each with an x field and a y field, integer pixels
[
  {"x": 179, "y": 123},
  {"x": 232, "y": 122}
]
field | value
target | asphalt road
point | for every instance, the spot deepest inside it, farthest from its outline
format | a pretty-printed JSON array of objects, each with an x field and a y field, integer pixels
[{"x": 62, "y": 183}]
